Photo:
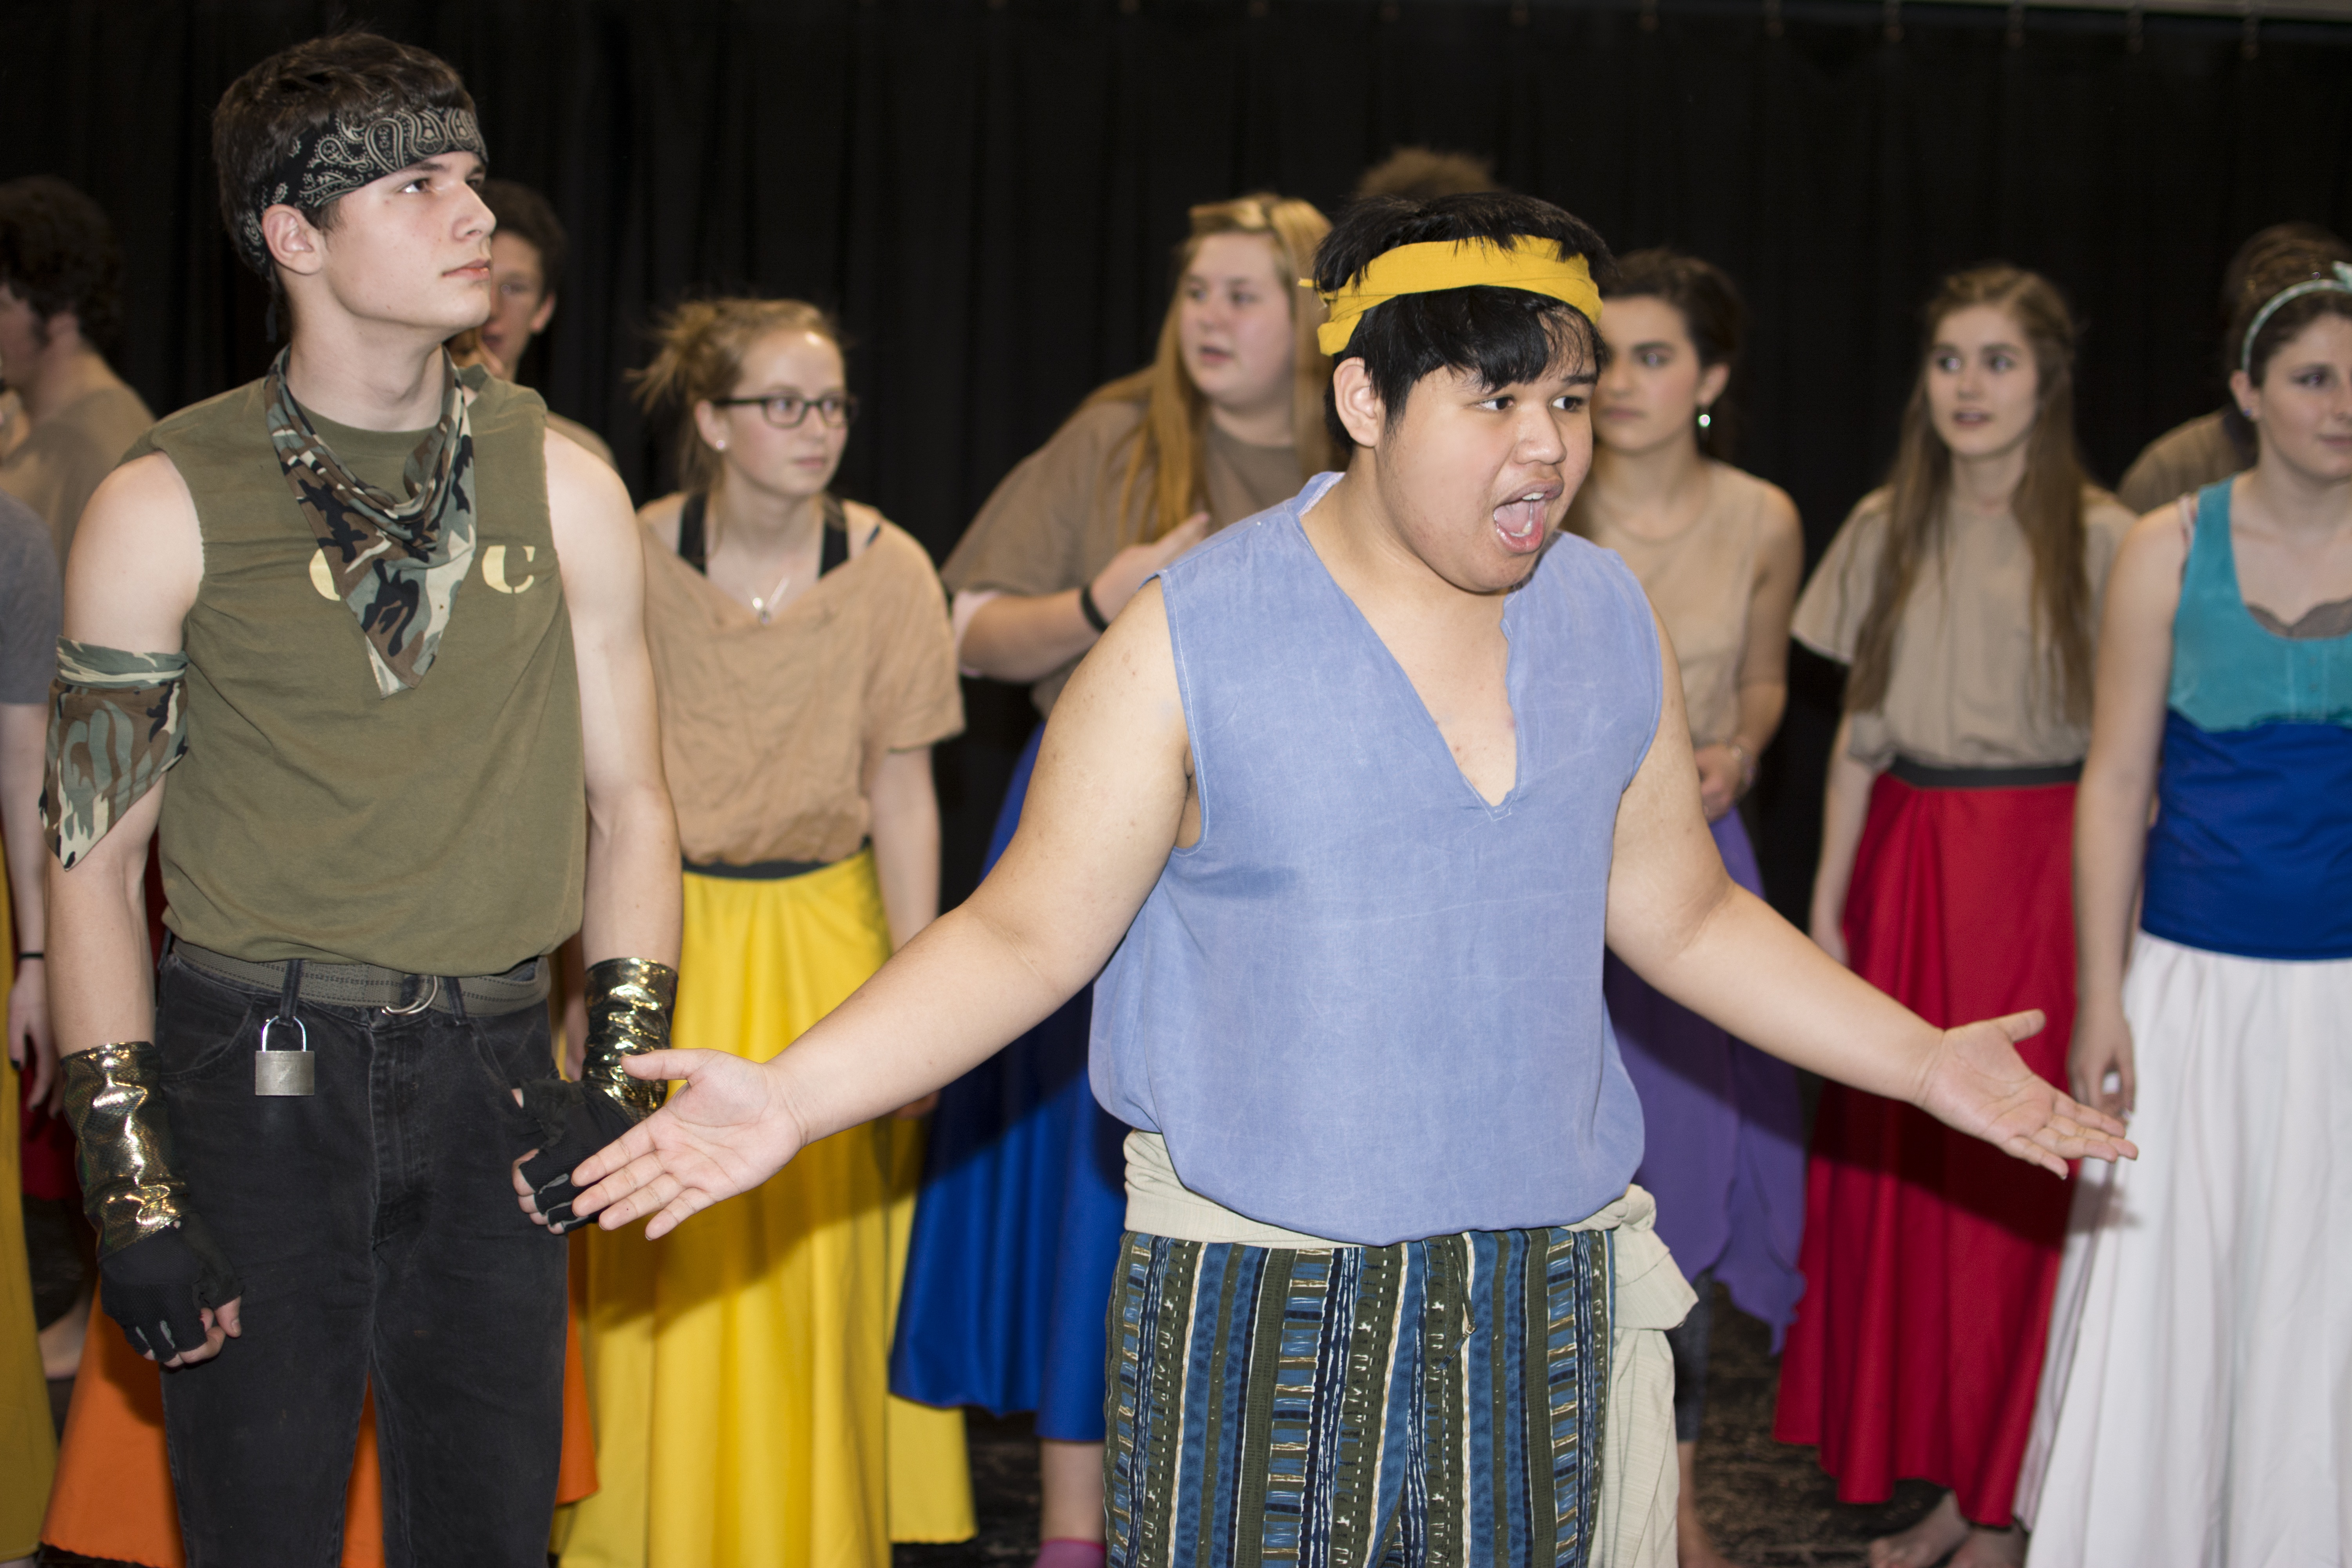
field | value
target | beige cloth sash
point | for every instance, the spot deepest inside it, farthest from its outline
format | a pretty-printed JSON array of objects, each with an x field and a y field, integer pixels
[{"x": 1640, "y": 1481}]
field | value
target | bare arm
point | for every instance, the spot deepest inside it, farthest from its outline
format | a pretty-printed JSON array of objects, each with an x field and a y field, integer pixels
[
  {"x": 633, "y": 890},
  {"x": 1845, "y": 804},
  {"x": 1679, "y": 921},
  {"x": 138, "y": 559},
  {"x": 1103, "y": 812},
  {"x": 906, "y": 828},
  {"x": 1764, "y": 662},
  {"x": 23, "y": 731},
  {"x": 2111, "y": 808},
  {"x": 1020, "y": 638}
]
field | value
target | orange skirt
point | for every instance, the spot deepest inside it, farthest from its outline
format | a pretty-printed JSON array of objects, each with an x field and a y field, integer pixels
[{"x": 114, "y": 1494}]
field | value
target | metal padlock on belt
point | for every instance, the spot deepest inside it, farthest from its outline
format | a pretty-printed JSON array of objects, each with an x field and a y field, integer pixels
[{"x": 294, "y": 1072}]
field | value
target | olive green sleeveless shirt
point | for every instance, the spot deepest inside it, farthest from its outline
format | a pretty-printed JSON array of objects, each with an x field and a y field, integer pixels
[{"x": 439, "y": 831}]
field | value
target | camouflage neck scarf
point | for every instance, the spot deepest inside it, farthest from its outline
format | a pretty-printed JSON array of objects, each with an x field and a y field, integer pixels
[{"x": 397, "y": 564}]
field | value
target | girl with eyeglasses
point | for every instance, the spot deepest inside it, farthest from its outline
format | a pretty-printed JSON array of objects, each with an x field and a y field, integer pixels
[{"x": 803, "y": 670}]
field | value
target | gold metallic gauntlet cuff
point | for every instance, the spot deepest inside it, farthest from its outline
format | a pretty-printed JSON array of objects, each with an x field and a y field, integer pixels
[
  {"x": 115, "y": 1107},
  {"x": 629, "y": 1002}
]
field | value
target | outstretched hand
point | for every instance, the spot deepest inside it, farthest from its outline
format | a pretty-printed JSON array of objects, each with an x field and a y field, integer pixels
[
  {"x": 1976, "y": 1083},
  {"x": 725, "y": 1132}
]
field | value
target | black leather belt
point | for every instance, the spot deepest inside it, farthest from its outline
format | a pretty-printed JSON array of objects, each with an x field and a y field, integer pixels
[{"x": 1924, "y": 775}]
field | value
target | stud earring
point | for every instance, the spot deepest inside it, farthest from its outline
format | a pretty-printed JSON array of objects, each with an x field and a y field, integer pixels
[
  {"x": 1705, "y": 420},
  {"x": 720, "y": 445}
]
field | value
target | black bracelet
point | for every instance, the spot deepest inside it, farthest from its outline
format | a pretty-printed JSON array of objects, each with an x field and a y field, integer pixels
[
  {"x": 1092, "y": 611},
  {"x": 24, "y": 957}
]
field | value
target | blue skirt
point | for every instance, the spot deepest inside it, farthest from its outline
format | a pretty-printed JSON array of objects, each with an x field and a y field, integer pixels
[{"x": 1017, "y": 1224}]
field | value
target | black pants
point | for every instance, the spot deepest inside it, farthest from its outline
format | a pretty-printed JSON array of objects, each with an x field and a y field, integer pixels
[{"x": 374, "y": 1227}]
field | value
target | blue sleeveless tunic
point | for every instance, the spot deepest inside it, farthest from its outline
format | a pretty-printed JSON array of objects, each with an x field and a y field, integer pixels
[
  {"x": 2251, "y": 850},
  {"x": 1367, "y": 1005}
]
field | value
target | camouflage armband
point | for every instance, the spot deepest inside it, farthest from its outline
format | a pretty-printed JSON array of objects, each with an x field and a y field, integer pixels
[{"x": 116, "y": 726}]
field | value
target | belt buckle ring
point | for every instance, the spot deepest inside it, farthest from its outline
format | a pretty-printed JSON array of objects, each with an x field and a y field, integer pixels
[{"x": 427, "y": 999}]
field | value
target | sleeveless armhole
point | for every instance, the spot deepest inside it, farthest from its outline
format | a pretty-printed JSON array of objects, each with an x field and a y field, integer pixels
[
  {"x": 1644, "y": 625},
  {"x": 1167, "y": 613}
]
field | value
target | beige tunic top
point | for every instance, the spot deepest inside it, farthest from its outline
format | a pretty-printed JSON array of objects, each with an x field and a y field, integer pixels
[
  {"x": 1054, "y": 523},
  {"x": 1968, "y": 688},
  {"x": 2184, "y": 459},
  {"x": 63, "y": 457},
  {"x": 1702, "y": 582},
  {"x": 767, "y": 730}
]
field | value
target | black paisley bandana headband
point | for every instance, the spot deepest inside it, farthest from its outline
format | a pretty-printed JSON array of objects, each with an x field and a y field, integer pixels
[{"x": 342, "y": 155}]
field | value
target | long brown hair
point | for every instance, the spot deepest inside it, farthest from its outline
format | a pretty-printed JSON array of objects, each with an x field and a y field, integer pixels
[
  {"x": 1169, "y": 449},
  {"x": 702, "y": 345},
  {"x": 2048, "y": 503}
]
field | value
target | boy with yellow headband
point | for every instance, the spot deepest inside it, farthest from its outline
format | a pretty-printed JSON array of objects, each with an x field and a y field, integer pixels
[{"x": 1351, "y": 799}]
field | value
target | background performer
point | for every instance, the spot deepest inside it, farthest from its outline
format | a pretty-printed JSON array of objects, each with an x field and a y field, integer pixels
[
  {"x": 804, "y": 670},
  {"x": 1964, "y": 596},
  {"x": 2197, "y": 1409}
]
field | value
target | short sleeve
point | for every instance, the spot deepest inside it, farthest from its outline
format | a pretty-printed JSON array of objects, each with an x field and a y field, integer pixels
[
  {"x": 30, "y": 602},
  {"x": 1033, "y": 535},
  {"x": 913, "y": 697},
  {"x": 1831, "y": 611}
]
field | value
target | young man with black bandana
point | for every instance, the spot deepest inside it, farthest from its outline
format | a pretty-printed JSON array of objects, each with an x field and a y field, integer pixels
[
  {"x": 361, "y": 641},
  {"x": 1351, "y": 799}
]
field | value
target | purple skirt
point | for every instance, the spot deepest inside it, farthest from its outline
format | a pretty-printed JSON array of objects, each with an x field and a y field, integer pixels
[{"x": 1723, "y": 1149}]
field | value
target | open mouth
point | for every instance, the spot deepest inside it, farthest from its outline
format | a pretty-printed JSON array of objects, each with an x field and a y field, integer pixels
[{"x": 1519, "y": 523}]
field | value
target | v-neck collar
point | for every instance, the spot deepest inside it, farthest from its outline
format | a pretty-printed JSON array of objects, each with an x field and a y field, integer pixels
[{"x": 1403, "y": 682}]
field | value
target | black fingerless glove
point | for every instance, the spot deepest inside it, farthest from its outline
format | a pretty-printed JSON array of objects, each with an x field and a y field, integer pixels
[
  {"x": 629, "y": 1002},
  {"x": 154, "y": 1288},
  {"x": 575, "y": 1122},
  {"x": 158, "y": 1264}
]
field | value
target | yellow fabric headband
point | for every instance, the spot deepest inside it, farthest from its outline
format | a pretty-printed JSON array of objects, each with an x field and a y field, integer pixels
[{"x": 1534, "y": 265}]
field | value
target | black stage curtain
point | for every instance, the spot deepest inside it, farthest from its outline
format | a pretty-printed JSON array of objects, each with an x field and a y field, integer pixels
[{"x": 988, "y": 192}]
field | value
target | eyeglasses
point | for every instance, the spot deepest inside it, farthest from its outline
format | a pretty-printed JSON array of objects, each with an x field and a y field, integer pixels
[{"x": 786, "y": 410}]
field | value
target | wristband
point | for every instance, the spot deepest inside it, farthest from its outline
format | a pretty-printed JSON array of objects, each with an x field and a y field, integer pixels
[
  {"x": 629, "y": 1003},
  {"x": 1092, "y": 611},
  {"x": 115, "y": 1107},
  {"x": 28, "y": 957}
]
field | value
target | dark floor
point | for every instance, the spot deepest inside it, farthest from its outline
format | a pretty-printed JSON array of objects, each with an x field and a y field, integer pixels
[{"x": 1768, "y": 1503}]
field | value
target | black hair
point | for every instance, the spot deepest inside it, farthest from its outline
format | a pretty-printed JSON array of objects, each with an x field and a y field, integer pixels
[
  {"x": 1713, "y": 314},
  {"x": 353, "y": 75},
  {"x": 526, "y": 214},
  {"x": 59, "y": 253},
  {"x": 1501, "y": 336}
]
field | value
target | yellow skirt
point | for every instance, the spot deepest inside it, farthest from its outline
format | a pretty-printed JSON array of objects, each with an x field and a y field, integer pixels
[
  {"x": 738, "y": 1367},
  {"x": 29, "y": 1443}
]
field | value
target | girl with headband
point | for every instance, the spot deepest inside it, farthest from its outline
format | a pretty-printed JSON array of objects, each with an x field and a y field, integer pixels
[
  {"x": 1720, "y": 554},
  {"x": 1963, "y": 594},
  {"x": 2196, "y": 1406},
  {"x": 803, "y": 673},
  {"x": 1351, "y": 800}
]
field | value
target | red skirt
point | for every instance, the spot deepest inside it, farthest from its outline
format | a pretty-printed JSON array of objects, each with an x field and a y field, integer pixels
[{"x": 1930, "y": 1258}]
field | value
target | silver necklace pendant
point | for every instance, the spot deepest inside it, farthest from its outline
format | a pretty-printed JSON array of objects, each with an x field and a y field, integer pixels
[{"x": 285, "y": 1073}]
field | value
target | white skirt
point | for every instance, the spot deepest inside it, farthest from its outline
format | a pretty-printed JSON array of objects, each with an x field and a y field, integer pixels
[{"x": 2196, "y": 1404}]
